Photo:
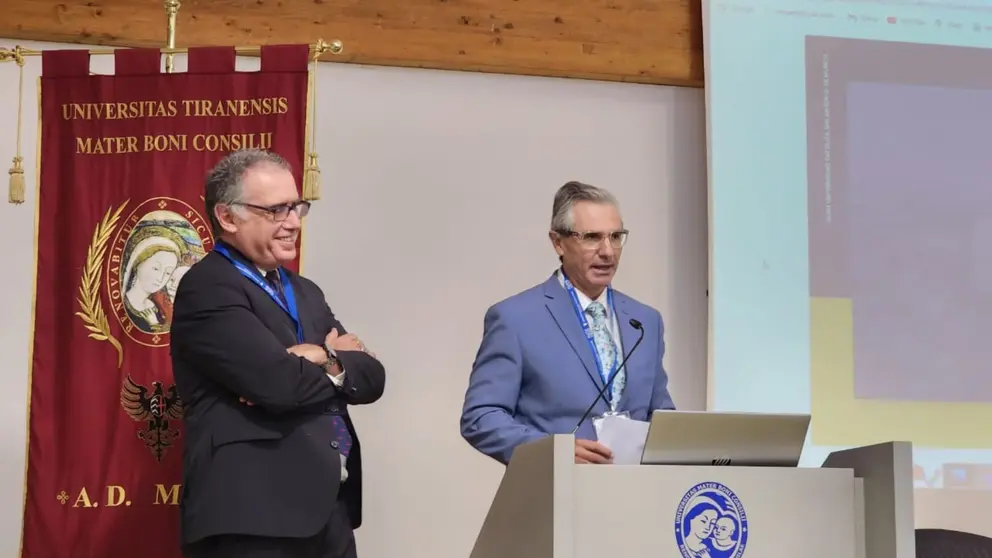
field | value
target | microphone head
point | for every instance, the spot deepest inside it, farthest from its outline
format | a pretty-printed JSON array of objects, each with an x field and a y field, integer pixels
[{"x": 635, "y": 324}]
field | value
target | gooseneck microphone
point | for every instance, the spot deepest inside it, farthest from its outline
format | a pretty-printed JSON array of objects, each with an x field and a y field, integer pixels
[{"x": 602, "y": 393}]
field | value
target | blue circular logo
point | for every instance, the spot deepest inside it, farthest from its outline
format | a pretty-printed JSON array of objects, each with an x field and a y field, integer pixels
[{"x": 711, "y": 523}]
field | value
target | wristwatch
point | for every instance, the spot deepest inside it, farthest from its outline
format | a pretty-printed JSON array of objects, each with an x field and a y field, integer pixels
[{"x": 331, "y": 359}]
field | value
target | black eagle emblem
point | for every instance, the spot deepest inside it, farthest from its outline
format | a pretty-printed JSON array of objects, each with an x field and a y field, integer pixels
[{"x": 155, "y": 409}]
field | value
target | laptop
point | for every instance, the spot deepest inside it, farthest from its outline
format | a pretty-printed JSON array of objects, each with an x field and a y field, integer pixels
[{"x": 725, "y": 438}]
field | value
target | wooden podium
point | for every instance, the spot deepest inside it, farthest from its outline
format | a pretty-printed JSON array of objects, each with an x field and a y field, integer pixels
[{"x": 859, "y": 504}]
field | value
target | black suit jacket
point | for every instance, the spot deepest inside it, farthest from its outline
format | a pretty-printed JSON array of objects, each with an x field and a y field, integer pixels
[{"x": 268, "y": 469}]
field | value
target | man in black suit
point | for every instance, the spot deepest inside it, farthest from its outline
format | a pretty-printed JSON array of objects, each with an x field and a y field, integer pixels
[{"x": 272, "y": 465}]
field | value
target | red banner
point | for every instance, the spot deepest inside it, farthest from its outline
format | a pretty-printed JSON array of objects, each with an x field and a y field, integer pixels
[{"x": 121, "y": 218}]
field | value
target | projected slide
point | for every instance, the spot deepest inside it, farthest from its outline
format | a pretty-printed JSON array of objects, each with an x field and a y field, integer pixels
[
  {"x": 900, "y": 242},
  {"x": 850, "y": 190}
]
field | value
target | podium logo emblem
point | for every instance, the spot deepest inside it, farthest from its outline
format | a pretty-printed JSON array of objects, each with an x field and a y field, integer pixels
[{"x": 710, "y": 522}]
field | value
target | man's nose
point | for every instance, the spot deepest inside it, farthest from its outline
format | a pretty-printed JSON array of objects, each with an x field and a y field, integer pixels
[{"x": 292, "y": 221}]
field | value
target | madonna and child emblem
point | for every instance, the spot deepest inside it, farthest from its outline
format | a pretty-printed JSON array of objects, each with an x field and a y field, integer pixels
[
  {"x": 154, "y": 247},
  {"x": 710, "y": 522},
  {"x": 140, "y": 260}
]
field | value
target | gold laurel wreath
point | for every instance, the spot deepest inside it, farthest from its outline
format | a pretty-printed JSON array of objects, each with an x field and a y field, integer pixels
[{"x": 90, "y": 303}]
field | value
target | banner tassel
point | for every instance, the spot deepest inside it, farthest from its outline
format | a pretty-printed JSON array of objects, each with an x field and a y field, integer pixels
[
  {"x": 16, "y": 172},
  {"x": 311, "y": 172},
  {"x": 311, "y": 179}
]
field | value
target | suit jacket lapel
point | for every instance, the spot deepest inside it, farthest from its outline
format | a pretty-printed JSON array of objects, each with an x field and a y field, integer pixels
[
  {"x": 628, "y": 336},
  {"x": 563, "y": 311},
  {"x": 283, "y": 320}
]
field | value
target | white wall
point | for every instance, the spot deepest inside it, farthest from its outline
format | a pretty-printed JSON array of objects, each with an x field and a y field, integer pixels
[{"x": 437, "y": 196}]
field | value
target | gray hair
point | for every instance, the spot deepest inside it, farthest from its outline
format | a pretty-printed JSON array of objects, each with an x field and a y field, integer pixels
[
  {"x": 562, "y": 219},
  {"x": 223, "y": 184}
]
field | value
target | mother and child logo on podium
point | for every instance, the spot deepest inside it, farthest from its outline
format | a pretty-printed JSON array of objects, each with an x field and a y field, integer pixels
[{"x": 710, "y": 522}]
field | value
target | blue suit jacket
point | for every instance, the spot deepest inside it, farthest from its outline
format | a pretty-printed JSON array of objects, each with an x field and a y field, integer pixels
[{"x": 535, "y": 373}]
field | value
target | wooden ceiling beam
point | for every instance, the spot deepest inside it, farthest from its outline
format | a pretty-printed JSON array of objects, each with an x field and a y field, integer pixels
[{"x": 643, "y": 41}]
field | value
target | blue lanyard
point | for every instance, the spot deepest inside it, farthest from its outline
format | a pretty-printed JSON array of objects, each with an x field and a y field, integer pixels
[
  {"x": 287, "y": 288},
  {"x": 577, "y": 306}
]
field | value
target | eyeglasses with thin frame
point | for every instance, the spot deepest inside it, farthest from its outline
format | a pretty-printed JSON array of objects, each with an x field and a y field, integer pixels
[
  {"x": 280, "y": 212},
  {"x": 592, "y": 239}
]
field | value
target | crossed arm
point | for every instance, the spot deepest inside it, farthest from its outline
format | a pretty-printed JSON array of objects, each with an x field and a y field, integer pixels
[
  {"x": 363, "y": 378},
  {"x": 215, "y": 328}
]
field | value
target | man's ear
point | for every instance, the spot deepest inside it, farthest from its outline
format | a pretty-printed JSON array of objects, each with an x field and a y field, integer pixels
[
  {"x": 556, "y": 243},
  {"x": 226, "y": 217}
]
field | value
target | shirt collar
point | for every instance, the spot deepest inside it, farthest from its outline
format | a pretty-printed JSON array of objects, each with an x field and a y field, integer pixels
[{"x": 584, "y": 300}]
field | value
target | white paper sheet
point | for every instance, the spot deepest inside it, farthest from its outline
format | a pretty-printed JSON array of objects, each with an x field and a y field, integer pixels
[{"x": 625, "y": 437}]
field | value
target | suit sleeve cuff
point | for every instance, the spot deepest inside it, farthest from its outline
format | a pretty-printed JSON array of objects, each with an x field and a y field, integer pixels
[{"x": 338, "y": 380}]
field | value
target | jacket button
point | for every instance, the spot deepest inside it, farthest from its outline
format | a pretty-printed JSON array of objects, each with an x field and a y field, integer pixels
[
  {"x": 333, "y": 408},
  {"x": 334, "y": 445},
  {"x": 354, "y": 390}
]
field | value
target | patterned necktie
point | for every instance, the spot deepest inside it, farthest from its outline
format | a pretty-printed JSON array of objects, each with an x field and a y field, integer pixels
[
  {"x": 341, "y": 435},
  {"x": 606, "y": 348}
]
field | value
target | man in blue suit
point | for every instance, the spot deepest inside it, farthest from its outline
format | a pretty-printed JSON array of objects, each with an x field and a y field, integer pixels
[{"x": 548, "y": 351}]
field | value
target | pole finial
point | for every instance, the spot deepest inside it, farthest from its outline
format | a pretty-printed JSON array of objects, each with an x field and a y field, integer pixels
[
  {"x": 171, "y": 9},
  {"x": 322, "y": 47}
]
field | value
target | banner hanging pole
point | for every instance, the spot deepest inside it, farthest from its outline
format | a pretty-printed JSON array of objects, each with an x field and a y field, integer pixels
[{"x": 319, "y": 48}]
